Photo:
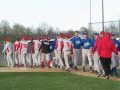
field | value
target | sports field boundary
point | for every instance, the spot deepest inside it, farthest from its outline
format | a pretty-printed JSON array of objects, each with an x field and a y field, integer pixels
[{"x": 78, "y": 72}]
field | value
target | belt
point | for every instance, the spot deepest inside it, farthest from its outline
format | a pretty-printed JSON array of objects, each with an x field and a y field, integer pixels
[{"x": 67, "y": 51}]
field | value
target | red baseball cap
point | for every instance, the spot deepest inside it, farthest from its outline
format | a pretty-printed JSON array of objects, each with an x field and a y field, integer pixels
[
  {"x": 31, "y": 37},
  {"x": 102, "y": 33},
  {"x": 67, "y": 35},
  {"x": 46, "y": 38},
  {"x": 38, "y": 38},
  {"x": 24, "y": 37},
  {"x": 108, "y": 34},
  {"x": 61, "y": 35},
  {"x": 6, "y": 39}
]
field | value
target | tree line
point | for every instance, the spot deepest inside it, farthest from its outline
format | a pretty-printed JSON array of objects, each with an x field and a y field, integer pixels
[{"x": 17, "y": 30}]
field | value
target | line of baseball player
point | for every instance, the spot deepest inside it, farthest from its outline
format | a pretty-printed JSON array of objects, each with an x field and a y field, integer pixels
[{"x": 35, "y": 53}]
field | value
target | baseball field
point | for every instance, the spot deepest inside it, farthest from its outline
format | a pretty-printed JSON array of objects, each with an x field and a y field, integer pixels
[{"x": 54, "y": 80}]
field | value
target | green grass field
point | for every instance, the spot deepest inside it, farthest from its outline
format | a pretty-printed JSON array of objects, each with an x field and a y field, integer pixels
[{"x": 54, "y": 81}]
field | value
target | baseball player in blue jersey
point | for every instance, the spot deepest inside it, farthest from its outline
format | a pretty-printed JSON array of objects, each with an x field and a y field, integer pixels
[
  {"x": 52, "y": 48},
  {"x": 115, "y": 59},
  {"x": 76, "y": 41},
  {"x": 96, "y": 56},
  {"x": 86, "y": 51}
]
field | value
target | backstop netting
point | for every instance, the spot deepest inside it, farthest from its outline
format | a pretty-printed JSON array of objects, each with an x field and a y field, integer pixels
[{"x": 110, "y": 26}]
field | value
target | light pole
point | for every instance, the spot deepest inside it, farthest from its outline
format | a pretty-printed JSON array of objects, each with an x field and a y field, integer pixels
[
  {"x": 90, "y": 12},
  {"x": 90, "y": 23},
  {"x": 103, "y": 27}
]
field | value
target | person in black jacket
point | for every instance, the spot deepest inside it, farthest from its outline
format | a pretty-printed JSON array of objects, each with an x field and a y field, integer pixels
[
  {"x": 30, "y": 51},
  {"x": 45, "y": 50}
]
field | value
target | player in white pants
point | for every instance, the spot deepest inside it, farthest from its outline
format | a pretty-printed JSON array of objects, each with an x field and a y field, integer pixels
[
  {"x": 30, "y": 51},
  {"x": 17, "y": 52},
  {"x": 37, "y": 55},
  {"x": 96, "y": 56},
  {"x": 115, "y": 58},
  {"x": 45, "y": 50},
  {"x": 86, "y": 51},
  {"x": 23, "y": 47},
  {"x": 56, "y": 58},
  {"x": 77, "y": 57},
  {"x": 67, "y": 50},
  {"x": 8, "y": 48},
  {"x": 59, "y": 47}
]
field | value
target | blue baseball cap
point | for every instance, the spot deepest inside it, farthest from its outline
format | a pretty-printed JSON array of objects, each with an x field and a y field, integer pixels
[
  {"x": 84, "y": 33},
  {"x": 112, "y": 34},
  {"x": 96, "y": 33}
]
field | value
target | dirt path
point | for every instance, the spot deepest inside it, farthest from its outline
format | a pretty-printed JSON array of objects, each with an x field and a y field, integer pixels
[
  {"x": 29, "y": 70},
  {"x": 79, "y": 72}
]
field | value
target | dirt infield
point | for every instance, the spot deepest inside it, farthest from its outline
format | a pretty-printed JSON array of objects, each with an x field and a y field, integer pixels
[
  {"x": 5, "y": 69},
  {"x": 79, "y": 72}
]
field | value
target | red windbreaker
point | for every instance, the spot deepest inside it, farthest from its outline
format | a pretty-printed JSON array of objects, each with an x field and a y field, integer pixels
[
  {"x": 106, "y": 47},
  {"x": 96, "y": 45}
]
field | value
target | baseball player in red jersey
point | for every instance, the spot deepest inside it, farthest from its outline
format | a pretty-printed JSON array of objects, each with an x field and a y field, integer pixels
[
  {"x": 8, "y": 48},
  {"x": 37, "y": 55},
  {"x": 67, "y": 50},
  {"x": 23, "y": 47},
  {"x": 17, "y": 52},
  {"x": 59, "y": 47}
]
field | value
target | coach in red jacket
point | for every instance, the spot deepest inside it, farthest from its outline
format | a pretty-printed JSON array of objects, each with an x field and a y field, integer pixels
[{"x": 105, "y": 49}]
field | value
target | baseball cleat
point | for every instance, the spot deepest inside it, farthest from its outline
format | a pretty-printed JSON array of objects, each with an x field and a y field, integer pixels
[
  {"x": 75, "y": 68},
  {"x": 83, "y": 68},
  {"x": 69, "y": 69},
  {"x": 91, "y": 70},
  {"x": 106, "y": 77},
  {"x": 98, "y": 75}
]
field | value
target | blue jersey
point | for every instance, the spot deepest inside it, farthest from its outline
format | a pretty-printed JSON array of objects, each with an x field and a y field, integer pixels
[
  {"x": 93, "y": 42},
  {"x": 86, "y": 43},
  {"x": 76, "y": 41},
  {"x": 52, "y": 46},
  {"x": 117, "y": 44}
]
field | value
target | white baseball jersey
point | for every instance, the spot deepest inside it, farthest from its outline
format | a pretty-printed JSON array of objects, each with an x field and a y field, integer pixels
[
  {"x": 8, "y": 48},
  {"x": 24, "y": 45},
  {"x": 16, "y": 45},
  {"x": 67, "y": 45},
  {"x": 37, "y": 44},
  {"x": 59, "y": 44}
]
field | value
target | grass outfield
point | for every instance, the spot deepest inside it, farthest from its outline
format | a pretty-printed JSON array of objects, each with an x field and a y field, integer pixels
[{"x": 54, "y": 81}]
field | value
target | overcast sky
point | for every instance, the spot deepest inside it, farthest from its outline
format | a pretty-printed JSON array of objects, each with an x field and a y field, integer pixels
[{"x": 65, "y": 14}]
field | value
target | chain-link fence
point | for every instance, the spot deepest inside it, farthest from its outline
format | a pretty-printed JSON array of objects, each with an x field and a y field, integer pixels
[
  {"x": 111, "y": 26},
  {"x": 2, "y": 56}
]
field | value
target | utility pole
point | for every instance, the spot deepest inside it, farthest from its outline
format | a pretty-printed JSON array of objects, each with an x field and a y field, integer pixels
[
  {"x": 90, "y": 23},
  {"x": 103, "y": 27}
]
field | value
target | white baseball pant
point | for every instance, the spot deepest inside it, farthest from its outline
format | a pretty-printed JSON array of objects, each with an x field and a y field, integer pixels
[
  {"x": 86, "y": 54},
  {"x": 9, "y": 59},
  {"x": 24, "y": 57},
  {"x": 77, "y": 57},
  {"x": 16, "y": 57},
  {"x": 96, "y": 62},
  {"x": 36, "y": 59},
  {"x": 114, "y": 60},
  {"x": 56, "y": 57},
  {"x": 30, "y": 58},
  {"x": 67, "y": 55},
  {"x": 45, "y": 57},
  {"x": 60, "y": 61}
]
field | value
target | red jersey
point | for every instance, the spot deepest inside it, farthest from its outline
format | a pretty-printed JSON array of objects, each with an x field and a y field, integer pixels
[{"x": 106, "y": 47}]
